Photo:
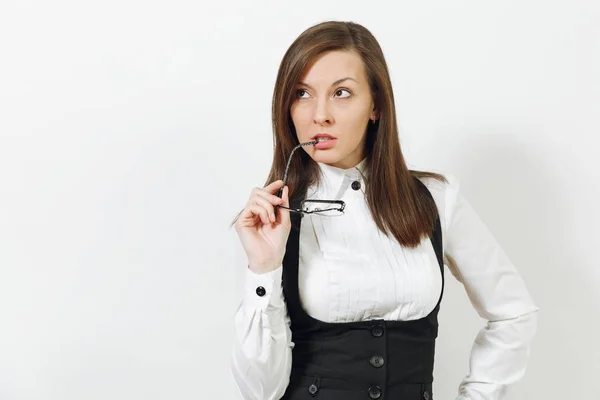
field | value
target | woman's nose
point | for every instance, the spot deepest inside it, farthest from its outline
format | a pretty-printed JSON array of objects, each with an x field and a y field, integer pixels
[{"x": 322, "y": 113}]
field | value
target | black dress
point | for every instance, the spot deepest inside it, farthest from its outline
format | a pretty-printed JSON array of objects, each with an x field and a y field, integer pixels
[{"x": 375, "y": 359}]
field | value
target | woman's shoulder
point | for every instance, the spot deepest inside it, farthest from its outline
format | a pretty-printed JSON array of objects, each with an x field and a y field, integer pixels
[
  {"x": 444, "y": 188},
  {"x": 442, "y": 183}
]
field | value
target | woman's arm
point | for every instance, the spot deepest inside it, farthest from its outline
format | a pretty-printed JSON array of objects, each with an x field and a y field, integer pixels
[
  {"x": 500, "y": 352},
  {"x": 262, "y": 352}
]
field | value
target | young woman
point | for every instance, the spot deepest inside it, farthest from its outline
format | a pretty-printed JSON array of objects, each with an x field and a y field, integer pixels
[{"x": 346, "y": 253}]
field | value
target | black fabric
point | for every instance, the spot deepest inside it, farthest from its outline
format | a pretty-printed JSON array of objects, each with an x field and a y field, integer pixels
[{"x": 375, "y": 359}]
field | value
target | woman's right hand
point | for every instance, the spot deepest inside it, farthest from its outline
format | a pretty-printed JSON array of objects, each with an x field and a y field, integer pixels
[{"x": 264, "y": 231}]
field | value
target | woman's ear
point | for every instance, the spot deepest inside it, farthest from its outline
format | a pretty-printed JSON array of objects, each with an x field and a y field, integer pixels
[
  {"x": 375, "y": 115},
  {"x": 375, "y": 112}
]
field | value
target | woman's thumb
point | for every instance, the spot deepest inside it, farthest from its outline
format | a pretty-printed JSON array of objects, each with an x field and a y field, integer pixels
[{"x": 285, "y": 214}]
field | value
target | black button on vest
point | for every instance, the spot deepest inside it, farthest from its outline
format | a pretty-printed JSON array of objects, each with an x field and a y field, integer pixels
[
  {"x": 374, "y": 392},
  {"x": 375, "y": 359},
  {"x": 356, "y": 185},
  {"x": 377, "y": 330}
]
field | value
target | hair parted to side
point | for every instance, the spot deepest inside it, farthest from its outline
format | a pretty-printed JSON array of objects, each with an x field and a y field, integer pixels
[{"x": 396, "y": 203}]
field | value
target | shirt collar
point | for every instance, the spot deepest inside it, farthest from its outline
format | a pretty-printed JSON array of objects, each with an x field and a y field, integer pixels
[{"x": 337, "y": 180}]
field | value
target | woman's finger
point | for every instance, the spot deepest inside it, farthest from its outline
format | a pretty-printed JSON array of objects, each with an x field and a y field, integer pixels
[
  {"x": 271, "y": 198},
  {"x": 269, "y": 189},
  {"x": 264, "y": 203},
  {"x": 283, "y": 216},
  {"x": 273, "y": 186},
  {"x": 251, "y": 212},
  {"x": 261, "y": 212}
]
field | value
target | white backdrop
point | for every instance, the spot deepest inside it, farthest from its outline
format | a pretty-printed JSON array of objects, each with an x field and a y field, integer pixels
[{"x": 131, "y": 133}]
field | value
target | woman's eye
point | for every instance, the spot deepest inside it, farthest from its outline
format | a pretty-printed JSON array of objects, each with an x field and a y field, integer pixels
[
  {"x": 299, "y": 93},
  {"x": 340, "y": 91},
  {"x": 303, "y": 94}
]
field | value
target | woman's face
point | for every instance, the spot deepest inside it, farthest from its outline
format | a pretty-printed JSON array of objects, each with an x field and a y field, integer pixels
[{"x": 334, "y": 97}]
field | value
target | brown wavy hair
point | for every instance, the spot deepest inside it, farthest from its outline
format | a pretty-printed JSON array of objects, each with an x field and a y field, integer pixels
[{"x": 395, "y": 201}]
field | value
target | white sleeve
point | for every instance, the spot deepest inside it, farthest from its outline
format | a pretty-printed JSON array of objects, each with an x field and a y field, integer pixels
[
  {"x": 501, "y": 349},
  {"x": 261, "y": 359}
]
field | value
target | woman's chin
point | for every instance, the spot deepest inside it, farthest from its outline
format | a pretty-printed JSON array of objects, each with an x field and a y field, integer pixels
[{"x": 328, "y": 157}]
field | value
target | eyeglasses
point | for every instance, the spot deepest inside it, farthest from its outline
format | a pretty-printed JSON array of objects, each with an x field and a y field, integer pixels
[{"x": 325, "y": 208}]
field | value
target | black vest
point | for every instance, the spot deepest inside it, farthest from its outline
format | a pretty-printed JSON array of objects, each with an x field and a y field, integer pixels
[{"x": 375, "y": 359}]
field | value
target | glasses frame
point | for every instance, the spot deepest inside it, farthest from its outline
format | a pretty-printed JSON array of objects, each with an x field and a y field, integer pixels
[{"x": 341, "y": 205}]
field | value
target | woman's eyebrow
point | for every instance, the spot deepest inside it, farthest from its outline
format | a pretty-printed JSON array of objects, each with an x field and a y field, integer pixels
[{"x": 333, "y": 84}]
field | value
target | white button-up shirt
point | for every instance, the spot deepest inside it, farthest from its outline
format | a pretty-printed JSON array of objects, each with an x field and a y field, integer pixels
[{"x": 350, "y": 271}]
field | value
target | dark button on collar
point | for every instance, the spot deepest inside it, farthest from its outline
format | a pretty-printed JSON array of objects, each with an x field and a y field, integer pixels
[
  {"x": 377, "y": 361},
  {"x": 356, "y": 185},
  {"x": 261, "y": 291},
  {"x": 374, "y": 392},
  {"x": 377, "y": 330},
  {"x": 426, "y": 395}
]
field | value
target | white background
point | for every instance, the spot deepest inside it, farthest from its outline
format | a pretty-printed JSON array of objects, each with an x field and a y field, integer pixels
[{"x": 131, "y": 133}]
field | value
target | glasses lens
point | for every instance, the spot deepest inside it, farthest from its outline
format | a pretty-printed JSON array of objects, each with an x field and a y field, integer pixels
[
  {"x": 329, "y": 213},
  {"x": 322, "y": 209}
]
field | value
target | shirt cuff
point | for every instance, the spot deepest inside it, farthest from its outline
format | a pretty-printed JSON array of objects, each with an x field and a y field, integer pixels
[{"x": 264, "y": 291}]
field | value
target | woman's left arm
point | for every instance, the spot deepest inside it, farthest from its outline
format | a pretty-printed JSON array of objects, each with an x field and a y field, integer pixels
[{"x": 500, "y": 352}]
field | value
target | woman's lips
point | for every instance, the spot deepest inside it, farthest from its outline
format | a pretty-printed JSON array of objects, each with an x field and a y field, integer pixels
[{"x": 325, "y": 144}]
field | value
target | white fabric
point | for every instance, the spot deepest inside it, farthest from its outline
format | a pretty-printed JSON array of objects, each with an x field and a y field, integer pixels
[{"x": 349, "y": 271}]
